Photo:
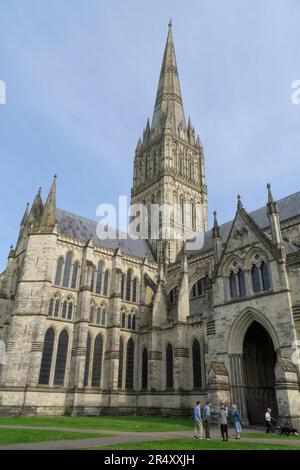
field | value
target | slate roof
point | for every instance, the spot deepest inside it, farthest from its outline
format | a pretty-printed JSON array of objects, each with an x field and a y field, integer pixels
[
  {"x": 288, "y": 207},
  {"x": 81, "y": 228}
]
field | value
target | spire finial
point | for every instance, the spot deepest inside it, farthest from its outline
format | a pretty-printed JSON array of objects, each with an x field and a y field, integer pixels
[
  {"x": 239, "y": 202},
  {"x": 170, "y": 23},
  {"x": 270, "y": 195},
  {"x": 216, "y": 228}
]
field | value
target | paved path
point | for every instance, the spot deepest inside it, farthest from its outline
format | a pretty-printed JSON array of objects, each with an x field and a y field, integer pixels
[{"x": 118, "y": 437}]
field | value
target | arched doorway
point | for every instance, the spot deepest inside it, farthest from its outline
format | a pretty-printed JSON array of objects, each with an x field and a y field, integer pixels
[{"x": 259, "y": 360}]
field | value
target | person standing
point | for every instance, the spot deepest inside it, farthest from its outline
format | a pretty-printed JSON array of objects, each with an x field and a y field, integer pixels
[
  {"x": 236, "y": 418},
  {"x": 223, "y": 413},
  {"x": 268, "y": 420},
  {"x": 206, "y": 417},
  {"x": 198, "y": 421}
]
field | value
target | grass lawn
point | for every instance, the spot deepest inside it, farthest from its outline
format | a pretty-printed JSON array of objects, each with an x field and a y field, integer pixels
[
  {"x": 270, "y": 436},
  {"x": 115, "y": 423},
  {"x": 188, "y": 444},
  {"x": 18, "y": 436}
]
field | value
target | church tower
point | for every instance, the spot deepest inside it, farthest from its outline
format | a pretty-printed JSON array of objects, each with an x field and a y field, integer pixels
[{"x": 169, "y": 168}]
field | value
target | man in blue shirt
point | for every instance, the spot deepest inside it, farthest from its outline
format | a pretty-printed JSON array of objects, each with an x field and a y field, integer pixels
[
  {"x": 206, "y": 417},
  {"x": 198, "y": 421}
]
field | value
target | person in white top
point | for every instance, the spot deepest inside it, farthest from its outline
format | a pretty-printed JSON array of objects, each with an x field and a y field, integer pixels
[{"x": 268, "y": 420}]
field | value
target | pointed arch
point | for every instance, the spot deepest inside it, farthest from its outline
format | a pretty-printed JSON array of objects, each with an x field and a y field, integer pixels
[
  {"x": 123, "y": 319},
  {"x": 61, "y": 358},
  {"x": 121, "y": 361},
  {"x": 197, "y": 374},
  {"x": 255, "y": 278},
  {"x": 59, "y": 268},
  {"x": 97, "y": 361},
  {"x": 133, "y": 323},
  {"x": 169, "y": 367},
  {"x": 74, "y": 275},
  {"x": 99, "y": 277},
  {"x": 67, "y": 270},
  {"x": 47, "y": 356},
  {"x": 103, "y": 316},
  {"x": 240, "y": 326},
  {"x": 105, "y": 283},
  {"x": 145, "y": 369},
  {"x": 130, "y": 365},
  {"x": 134, "y": 289},
  {"x": 129, "y": 321},
  {"x": 128, "y": 284}
]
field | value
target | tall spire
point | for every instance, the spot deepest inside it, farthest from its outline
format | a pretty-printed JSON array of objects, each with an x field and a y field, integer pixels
[
  {"x": 49, "y": 219},
  {"x": 168, "y": 104}
]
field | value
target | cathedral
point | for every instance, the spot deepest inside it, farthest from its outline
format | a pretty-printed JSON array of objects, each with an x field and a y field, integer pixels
[{"x": 146, "y": 326}]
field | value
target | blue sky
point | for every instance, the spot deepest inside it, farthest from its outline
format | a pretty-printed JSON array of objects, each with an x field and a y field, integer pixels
[{"x": 81, "y": 78}]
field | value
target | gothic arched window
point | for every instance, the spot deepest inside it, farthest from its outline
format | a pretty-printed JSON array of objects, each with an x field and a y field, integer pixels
[
  {"x": 130, "y": 365},
  {"x": 233, "y": 285},
  {"x": 57, "y": 307},
  {"x": 123, "y": 286},
  {"x": 129, "y": 322},
  {"x": 103, "y": 316},
  {"x": 241, "y": 283},
  {"x": 59, "y": 267},
  {"x": 121, "y": 359},
  {"x": 98, "y": 316},
  {"x": 99, "y": 277},
  {"x": 74, "y": 275},
  {"x": 87, "y": 360},
  {"x": 105, "y": 283},
  {"x": 173, "y": 295},
  {"x": 128, "y": 285},
  {"x": 198, "y": 288},
  {"x": 61, "y": 358},
  {"x": 134, "y": 289},
  {"x": 265, "y": 276},
  {"x": 169, "y": 367},
  {"x": 64, "y": 309},
  {"x": 123, "y": 319},
  {"x": 97, "y": 361},
  {"x": 255, "y": 278},
  {"x": 67, "y": 271},
  {"x": 70, "y": 310},
  {"x": 197, "y": 376},
  {"x": 92, "y": 273},
  {"x": 145, "y": 369},
  {"x": 47, "y": 357},
  {"x": 133, "y": 325}
]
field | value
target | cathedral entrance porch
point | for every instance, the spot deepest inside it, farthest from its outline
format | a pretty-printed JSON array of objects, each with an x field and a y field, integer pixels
[{"x": 259, "y": 359}]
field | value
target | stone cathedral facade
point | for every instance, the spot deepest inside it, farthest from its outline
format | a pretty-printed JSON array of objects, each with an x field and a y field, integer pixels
[{"x": 95, "y": 326}]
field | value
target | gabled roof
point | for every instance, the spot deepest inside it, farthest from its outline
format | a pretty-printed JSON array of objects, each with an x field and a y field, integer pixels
[
  {"x": 288, "y": 207},
  {"x": 81, "y": 228}
]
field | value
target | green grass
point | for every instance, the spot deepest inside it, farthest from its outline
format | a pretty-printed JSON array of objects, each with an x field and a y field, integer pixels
[
  {"x": 18, "y": 436},
  {"x": 186, "y": 444},
  {"x": 115, "y": 423},
  {"x": 270, "y": 436}
]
